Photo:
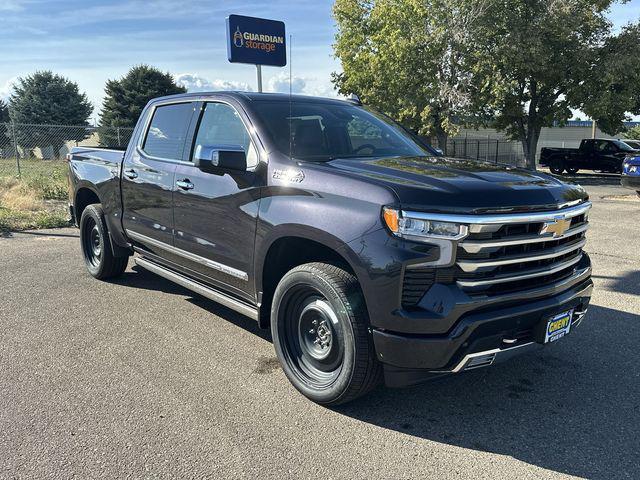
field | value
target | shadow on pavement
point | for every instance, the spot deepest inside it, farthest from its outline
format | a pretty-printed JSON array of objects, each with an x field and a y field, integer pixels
[
  {"x": 591, "y": 179},
  {"x": 47, "y": 233},
  {"x": 627, "y": 283},
  {"x": 141, "y": 278},
  {"x": 571, "y": 408}
]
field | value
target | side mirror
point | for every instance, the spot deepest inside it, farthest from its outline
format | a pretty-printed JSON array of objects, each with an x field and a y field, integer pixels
[{"x": 213, "y": 158}]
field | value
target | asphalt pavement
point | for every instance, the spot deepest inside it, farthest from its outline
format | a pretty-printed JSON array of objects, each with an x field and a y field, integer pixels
[{"x": 139, "y": 378}]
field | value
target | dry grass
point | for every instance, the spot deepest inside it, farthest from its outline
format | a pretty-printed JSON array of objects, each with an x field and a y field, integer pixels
[
  {"x": 24, "y": 205},
  {"x": 16, "y": 195}
]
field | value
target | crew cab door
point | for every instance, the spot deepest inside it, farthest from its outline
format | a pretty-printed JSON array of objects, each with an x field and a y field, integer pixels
[
  {"x": 148, "y": 176},
  {"x": 215, "y": 212},
  {"x": 604, "y": 156}
]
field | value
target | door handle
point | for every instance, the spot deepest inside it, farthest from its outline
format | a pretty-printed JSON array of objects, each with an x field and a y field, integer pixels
[
  {"x": 185, "y": 184},
  {"x": 130, "y": 173}
]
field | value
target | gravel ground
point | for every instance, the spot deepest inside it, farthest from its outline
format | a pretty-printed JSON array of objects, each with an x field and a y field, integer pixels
[{"x": 140, "y": 379}]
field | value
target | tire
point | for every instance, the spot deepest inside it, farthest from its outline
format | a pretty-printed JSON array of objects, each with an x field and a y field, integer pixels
[
  {"x": 572, "y": 171},
  {"x": 320, "y": 331},
  {"x": 556, "y": 166},
  {"x": 96, "y": 245}
]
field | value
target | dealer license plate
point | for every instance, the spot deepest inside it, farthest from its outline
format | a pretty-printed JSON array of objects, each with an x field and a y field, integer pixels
[{"x": 558, "y": 326}]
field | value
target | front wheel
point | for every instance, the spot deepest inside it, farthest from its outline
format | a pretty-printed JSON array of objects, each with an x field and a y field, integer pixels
[
  {"x": 572, "y": 171},
  {"x": 96, "y": 245},
  {"x": 320, "y": 332}
]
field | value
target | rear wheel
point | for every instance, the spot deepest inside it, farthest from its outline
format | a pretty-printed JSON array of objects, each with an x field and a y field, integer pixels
[
  {"x": 320, "y": 332},
  {"x": 572, "y": 171},
  {"x": 556, "y": 166},
  {"x": 96, "y": 245}
]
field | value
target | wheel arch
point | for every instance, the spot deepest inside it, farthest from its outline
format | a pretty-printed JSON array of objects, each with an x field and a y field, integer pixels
[
  {"x": 286, "y": 251},
  {"x": 84, "y": 196}
]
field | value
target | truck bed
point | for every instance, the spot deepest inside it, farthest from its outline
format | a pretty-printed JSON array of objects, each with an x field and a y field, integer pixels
[{"x": 108, "y": 155}]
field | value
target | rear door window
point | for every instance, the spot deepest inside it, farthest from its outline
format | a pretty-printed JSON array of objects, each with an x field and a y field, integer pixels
[{"x": 168, "y": 131}]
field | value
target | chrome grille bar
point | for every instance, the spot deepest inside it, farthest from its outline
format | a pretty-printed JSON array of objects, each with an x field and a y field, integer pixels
[
  {"x": 514, "y": 278},
  {"x": 485, "y": 265},
  {"x": 507, "y": 218},
  {"x": 478, "y": 246}
]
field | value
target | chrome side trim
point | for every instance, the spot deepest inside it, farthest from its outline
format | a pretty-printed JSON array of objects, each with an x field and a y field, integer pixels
[
  {"x": 198, "y": 288},
  {"x": 478, "y": 246},
  {"x": 474, "y": 265},
  {"x": 503, "y": 218},
  {"x": 514, "y": 278},
  {"x": 188, "y": 255}
]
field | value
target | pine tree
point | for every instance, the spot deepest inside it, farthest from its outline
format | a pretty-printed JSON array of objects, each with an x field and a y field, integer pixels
[
  {"x": 44, "y": 101},
  {"x": 126, "y": 98}
]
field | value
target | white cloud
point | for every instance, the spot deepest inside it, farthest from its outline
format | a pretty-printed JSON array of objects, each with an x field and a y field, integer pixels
[
  {"x": 7, "y": 88},
  {"x": 196, "y": 83},
  {"x": 280, "y": 84},
  {"x": 11, "y": 6}
]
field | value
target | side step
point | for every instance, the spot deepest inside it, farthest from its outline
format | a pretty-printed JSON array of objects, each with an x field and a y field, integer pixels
[{"x": 199, "y": 288}]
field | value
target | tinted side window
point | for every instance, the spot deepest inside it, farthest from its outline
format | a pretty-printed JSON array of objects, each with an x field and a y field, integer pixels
[
  {"x": 221, "y": 125},
  {"x": 168, "y": 131}
]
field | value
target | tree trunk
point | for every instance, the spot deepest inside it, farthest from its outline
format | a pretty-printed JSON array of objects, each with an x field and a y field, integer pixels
[
  {"x": 442, "y": 138},
  {"x": 530, "y": 146}
]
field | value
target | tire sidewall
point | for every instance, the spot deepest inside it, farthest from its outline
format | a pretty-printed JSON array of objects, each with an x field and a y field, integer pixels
[
  {"x": 92, "y": 213},
  {"x": 334, "y": 392},
  {"x": 557, "y": 166}
]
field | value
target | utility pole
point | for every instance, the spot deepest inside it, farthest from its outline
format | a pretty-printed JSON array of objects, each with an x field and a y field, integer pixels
[
  {"x": 593, "y": 129},
  {"x": 259, "y": 73}
]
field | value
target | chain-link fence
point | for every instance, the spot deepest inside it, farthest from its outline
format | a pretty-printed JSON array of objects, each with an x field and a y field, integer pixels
[{"x": 27, "y": 149}]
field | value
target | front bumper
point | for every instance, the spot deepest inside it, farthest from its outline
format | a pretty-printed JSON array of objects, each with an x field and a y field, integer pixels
[{"x": 479, "y": 339}]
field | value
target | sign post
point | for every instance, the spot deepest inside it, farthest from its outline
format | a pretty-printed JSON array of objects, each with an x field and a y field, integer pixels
[{"x": 256, "y": 41}]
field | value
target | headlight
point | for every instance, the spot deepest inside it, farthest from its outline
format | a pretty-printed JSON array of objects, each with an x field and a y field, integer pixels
[{"x": 419, "y": 227}]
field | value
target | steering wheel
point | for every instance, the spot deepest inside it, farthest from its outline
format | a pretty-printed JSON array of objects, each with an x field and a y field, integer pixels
[{"x": 363, "y": 147}]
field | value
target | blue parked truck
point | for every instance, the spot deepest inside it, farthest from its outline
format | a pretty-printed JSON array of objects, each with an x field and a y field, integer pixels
[{"x": 370, "y": 257}]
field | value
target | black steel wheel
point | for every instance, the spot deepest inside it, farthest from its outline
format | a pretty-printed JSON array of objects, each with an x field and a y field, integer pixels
[
  {"x": 556, "y": 166},
  {"x": 572, "y": 170},
  {"x": 96, "y": 245},
  {"x": 320, "y": 334}
]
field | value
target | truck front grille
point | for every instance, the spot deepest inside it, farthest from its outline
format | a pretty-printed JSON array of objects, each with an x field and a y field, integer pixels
[{"x": 499, "y": 258}]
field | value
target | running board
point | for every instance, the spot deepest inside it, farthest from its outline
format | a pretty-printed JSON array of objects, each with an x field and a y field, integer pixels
[{"x": 199, "y": 288}]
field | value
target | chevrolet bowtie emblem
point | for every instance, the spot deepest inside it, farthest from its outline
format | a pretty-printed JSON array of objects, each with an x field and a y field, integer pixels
[{"x": 556, "y": 227}]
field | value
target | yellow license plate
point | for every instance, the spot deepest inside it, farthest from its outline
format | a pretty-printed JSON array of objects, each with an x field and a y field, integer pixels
[{"x": 558, "y": 326}]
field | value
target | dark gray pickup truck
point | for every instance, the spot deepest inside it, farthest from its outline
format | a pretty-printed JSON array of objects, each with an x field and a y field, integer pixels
[{"x": 368, "y": 256}]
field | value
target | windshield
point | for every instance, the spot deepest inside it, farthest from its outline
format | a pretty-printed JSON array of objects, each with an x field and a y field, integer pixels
[
  {"x": 633, "y": 144},
  {"x": 622, "y": 146},
  {"x": 325, "y": 131}
]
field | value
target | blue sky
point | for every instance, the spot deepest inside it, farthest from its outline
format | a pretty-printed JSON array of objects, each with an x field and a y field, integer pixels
[{"x": 92, "y": 41}]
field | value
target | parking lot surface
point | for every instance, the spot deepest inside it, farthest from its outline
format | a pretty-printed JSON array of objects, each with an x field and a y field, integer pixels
[{"x": 140, "y": 378}]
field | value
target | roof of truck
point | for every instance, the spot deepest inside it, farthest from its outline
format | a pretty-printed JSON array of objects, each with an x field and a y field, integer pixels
[{"x": 253, "y": 97}]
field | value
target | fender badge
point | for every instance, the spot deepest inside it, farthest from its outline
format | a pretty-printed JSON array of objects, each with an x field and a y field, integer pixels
[{"x": 293, "y": 176}]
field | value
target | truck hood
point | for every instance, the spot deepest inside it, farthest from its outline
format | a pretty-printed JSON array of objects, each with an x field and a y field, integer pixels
[{"x": 456, "y": 185}]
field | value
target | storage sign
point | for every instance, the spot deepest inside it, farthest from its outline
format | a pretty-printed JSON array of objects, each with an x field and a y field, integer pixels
[{"x": 256, "y": 41}]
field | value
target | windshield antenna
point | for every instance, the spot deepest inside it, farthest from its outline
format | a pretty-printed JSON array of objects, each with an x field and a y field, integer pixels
[{"x": 290, "y": 98}]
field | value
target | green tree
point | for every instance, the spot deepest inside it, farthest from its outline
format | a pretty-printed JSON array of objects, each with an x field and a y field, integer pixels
[
  {"x": 4, "y": 111},
  {"x": 534, "y": 59},
  {"x": 126, "y": 98},
  {"x": 613, "y": 89},
  {"x": 45, "y": 101},
  {"x": 633, "y": 133},
  {"x": 406, "y": 58}
]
